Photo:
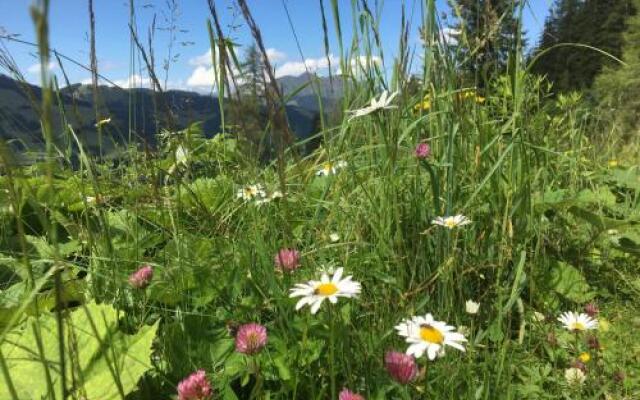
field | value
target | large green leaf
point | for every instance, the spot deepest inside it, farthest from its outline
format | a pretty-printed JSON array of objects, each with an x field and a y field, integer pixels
[
  {"x": 106, "y": 363},
  {"x": 569, "y": 282}
]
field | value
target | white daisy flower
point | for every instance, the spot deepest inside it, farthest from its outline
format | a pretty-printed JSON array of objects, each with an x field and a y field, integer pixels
[
  {"x": 273, "y": 196},
  {"x": 334, "y": 237},
  {"x": 452, "y": 222},
  {"x": 575, "y": 322},
  {"x": 574, "y": 376},
  {"x": 383, "y": 103},
  {"x": 251, "y": 192},
  {"x": 426, "y": 335},
  {"x": 314, "y": 293},
  {"x": 330, "y": 168},
  {"x": 471, "y": 307}
]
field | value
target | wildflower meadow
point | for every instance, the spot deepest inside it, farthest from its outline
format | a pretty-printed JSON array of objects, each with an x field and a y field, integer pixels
[{"x": 439, "y": 235}]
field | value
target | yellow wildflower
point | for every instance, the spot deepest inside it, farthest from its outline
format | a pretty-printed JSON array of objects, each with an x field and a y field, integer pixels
[
  {"x": 103, "y": 122},
  {"x": 424, "y": 105},
  {"x": 585, "y": 357}
]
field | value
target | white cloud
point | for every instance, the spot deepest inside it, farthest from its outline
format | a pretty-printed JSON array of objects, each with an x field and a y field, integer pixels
[
  {"x": 365, "y": 61},
  {"x": 35, "y": 68},
  {"x": 201, "y": 77},
  {"x": 450, "y": 35},
  {"x": 312, "y": 65},
  {"x": 359, "y": 64},
  {"x": 133, "y": 81},
  {"x": 202, "y": 59},
  {"x": 275, "y": 55}
]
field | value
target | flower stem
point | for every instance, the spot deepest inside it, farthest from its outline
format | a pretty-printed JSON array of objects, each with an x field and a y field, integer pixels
[
  {"x": 332, "y": 342},
  {"x": 435, "y": 188}
]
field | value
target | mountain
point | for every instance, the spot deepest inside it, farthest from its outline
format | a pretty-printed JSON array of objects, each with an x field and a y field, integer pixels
[
  {"x": 20, "y": 123},
  {"x": 330, "y": 88}
]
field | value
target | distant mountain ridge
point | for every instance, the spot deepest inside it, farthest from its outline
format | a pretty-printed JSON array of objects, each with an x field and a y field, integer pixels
[{"x": 20, "y": 125}]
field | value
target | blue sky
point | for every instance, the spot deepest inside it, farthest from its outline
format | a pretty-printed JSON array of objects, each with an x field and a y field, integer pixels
[{"x": 192, "y": 69}]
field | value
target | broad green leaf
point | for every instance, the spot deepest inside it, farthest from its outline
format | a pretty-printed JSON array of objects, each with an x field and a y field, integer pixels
[
  {"x": 569, "y": 282},
  {"x": 602, "y": 195},
  {"x": 106, "y": 362},
  {"x": 283, "y": 370}
]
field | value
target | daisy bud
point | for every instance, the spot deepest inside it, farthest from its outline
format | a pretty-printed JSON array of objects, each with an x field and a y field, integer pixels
[
  {"x": 471, "y": 307},
  {"x": 142, "y": 277},
  {"x": 347, "y": 394},
  {"x": 619, "y": 376},
  {"x": 251, "y": 338},
  {"x": 195, "y": 387},
  {"x": 400, "y": 366},
  {"x": 423, "y": 151},
  {"x": 591, "y": 309},
  {"x": 593, "y": 343},
  {"x": 539, "y": 317},
  {"x": 287, "y": 260}
]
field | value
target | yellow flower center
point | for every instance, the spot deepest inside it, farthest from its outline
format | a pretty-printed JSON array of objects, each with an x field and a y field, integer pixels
[
  {"x": 578, "y": 326},
  {"x": 249, "y": 191},
  {"x": 326, "y": 289},
  {"x": 450, "y": 223},
  {"x": 430, "y": 334},
  {"x": 327, "y": 167}
]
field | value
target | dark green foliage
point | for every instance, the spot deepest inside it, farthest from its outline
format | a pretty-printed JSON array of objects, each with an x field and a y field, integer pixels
[
  {"x": 491, "y": 28},
  {"x": 618, "y": 87},
  {"x": 596, "y": 23}
]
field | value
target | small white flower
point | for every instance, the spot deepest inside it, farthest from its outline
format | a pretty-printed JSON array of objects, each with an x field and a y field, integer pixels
[
  {"x": 91, "y": 199},
  {"x": 182, "y": 155},
  {"x": 334, "y": 237},
  {"x": 273, "y": 196},
  {"x": 314, "y": 293},
  {"x": 330, "y": 168},
  {"x": 426, "y": 335},
  {"x": 251, "y": 192},
  {"x": 464, "y": 330},
  {"x": 539, "y": 317},
  {"x": 575, "y": 322},
  {"x": 452, "y": 222},
  {"x": 471, "y": 307},
  {"x": 383, "y": 103},
  {"x": 574, "y": 376}
]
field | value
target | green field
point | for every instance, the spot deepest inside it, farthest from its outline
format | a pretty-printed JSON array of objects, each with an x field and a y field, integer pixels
[{"x": 232, "y": 230}]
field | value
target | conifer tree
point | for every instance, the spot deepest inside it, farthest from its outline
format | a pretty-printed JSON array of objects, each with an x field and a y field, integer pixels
[
  {"x": 595, "y": 23},
  {"x": 490, "y": 27},
  {"x": 618, "y": 87}
]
